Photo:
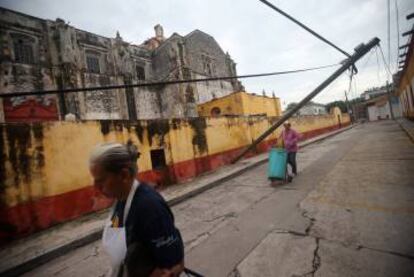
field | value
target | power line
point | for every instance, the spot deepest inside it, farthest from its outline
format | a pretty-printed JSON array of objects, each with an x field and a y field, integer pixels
[
  {"x": 386, "y": 66},
  {"x": 378, "y": 65},
  {"x": 305, "y": 27},
  {"x": 163, "y": 83}
]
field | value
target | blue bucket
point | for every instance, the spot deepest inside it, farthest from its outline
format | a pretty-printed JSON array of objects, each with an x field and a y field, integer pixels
[{"x": 277, "y": 163}]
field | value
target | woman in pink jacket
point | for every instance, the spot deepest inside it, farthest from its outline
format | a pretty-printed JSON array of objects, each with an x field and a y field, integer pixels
[{"x": 290, "y": 139}]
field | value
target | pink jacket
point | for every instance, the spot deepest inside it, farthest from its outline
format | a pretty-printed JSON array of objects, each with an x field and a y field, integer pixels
[{"x": 290, "y": 140}]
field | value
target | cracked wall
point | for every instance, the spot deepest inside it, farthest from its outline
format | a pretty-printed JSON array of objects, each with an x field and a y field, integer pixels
[{"x": 55, "y": 55}]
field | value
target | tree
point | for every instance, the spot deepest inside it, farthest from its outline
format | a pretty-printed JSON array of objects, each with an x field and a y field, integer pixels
[
  {"x": 291, "y": 106},
  {"x": 340, "y": 104}
]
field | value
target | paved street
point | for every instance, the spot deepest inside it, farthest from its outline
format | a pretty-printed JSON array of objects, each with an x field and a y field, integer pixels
[{"x": 348, "y": 213}]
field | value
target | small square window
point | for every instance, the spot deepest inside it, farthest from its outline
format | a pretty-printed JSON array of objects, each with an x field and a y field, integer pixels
[
  {"x": 23, "y": 52},
  {"x": 92, "y": 63},
  {"x": 140, "y": 73}
]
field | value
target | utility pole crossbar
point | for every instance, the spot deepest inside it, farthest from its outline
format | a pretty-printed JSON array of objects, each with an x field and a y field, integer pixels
[{"x": 360, "y": 51}]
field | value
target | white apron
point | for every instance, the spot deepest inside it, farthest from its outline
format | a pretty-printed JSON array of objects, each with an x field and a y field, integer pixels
[{"x": 114, "y": 239}]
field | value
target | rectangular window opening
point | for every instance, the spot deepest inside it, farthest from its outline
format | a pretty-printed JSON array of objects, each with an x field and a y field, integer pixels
[
  {"x": 140, "y": 73},
  {"x": 158, "y": 159},
  {"x": 23, "y": 53},
  {"x": 92, "y": 63}
]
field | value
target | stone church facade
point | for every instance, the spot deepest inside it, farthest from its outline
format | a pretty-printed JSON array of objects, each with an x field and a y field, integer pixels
[{"x": 38, "y": 54}]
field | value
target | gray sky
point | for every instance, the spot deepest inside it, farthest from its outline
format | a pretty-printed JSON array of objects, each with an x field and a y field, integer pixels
[{"x": 257, "y": 38}]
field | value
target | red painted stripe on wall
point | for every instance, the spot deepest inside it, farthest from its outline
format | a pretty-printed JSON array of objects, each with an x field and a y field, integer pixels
[{"x": 32, "y": 216}]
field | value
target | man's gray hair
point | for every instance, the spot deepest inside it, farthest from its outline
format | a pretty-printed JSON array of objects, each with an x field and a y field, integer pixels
[{"x": 113, "y": 157}]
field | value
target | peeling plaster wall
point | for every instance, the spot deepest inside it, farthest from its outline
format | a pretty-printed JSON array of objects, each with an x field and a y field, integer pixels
[
  {"x": 36, "y": 75},
  {"x": 199, "y": 44},
  {"x": 44, "y": 177},
  {"x": 201, "y": 49},
  {"x": 177, "y": 101},
  {"x": 210, "y": 90},
  {"x": 61, "y": 52},
  {"x": 148, "y": 103}
]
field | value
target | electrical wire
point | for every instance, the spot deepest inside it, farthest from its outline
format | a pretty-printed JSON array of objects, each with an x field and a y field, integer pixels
[
  {"x": 304, "y": 27},
  {"x": 163, "y": 83},
  {"x": 378, "y": 65},
  {"x": 386, "y": 66}
]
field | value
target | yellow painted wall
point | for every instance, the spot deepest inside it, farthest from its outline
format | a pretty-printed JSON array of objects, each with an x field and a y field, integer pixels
[
  {"x": 242, "y": 103},
  {"x": 255, "y": 104},
  {"x": 56, "y": 153},
  {"x": 405, "y": 88}
]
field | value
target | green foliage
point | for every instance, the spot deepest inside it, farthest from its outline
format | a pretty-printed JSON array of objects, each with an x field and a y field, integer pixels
[{"x": 342, "y": 104}]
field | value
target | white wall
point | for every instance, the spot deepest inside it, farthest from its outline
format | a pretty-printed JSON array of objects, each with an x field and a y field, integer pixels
[
  {"x": 379, "y": 112},
  {"x": 372, "y": 113},
  {"x": 207, "y": 91}
]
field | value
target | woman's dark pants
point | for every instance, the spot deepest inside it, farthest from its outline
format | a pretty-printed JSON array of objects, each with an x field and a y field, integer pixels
[{"x": 291, "y": 159}]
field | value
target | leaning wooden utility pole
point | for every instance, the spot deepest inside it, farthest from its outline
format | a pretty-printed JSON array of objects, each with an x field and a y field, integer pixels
[
  {"x": 360, "y": 51},
  {"x": 348, "y": 107}
]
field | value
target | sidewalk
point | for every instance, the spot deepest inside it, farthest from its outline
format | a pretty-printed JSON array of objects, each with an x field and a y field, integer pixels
[
  {"x": 407, "y": 126},
  {"x": 27, "y": 253}
]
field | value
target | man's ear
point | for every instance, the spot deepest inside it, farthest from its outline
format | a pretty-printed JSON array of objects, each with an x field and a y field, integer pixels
[{"x": 125, "y": 174}]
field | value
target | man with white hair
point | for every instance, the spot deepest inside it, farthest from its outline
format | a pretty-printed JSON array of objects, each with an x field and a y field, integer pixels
[{"x": 140, "y": 223}]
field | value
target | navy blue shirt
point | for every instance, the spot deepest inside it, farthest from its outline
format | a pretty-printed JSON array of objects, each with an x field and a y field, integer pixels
[{"x": 150, "y": 223}]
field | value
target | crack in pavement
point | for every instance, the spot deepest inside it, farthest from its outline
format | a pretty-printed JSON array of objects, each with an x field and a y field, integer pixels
[
  {"x": 188, "y": 243},
  {"x": 344, "y": 244},
  {"x": 225, "y": 216},
  {"x": 316, "y": 261},
  {"x": 407, "y": 256},
  {"x": 261, "y": 199},
  {"x": 200, "y": 237},
  {"x": 234, "y": 273},
  {"x": 311, "y": 221},
  {"x": 295, "y": 233}
]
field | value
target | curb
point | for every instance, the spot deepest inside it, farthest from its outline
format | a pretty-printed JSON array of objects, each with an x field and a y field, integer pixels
[
  {"x": 409, "y": 134},
  {"x": 95, "y": 235},
  {"x": 329, "y": 135}
]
